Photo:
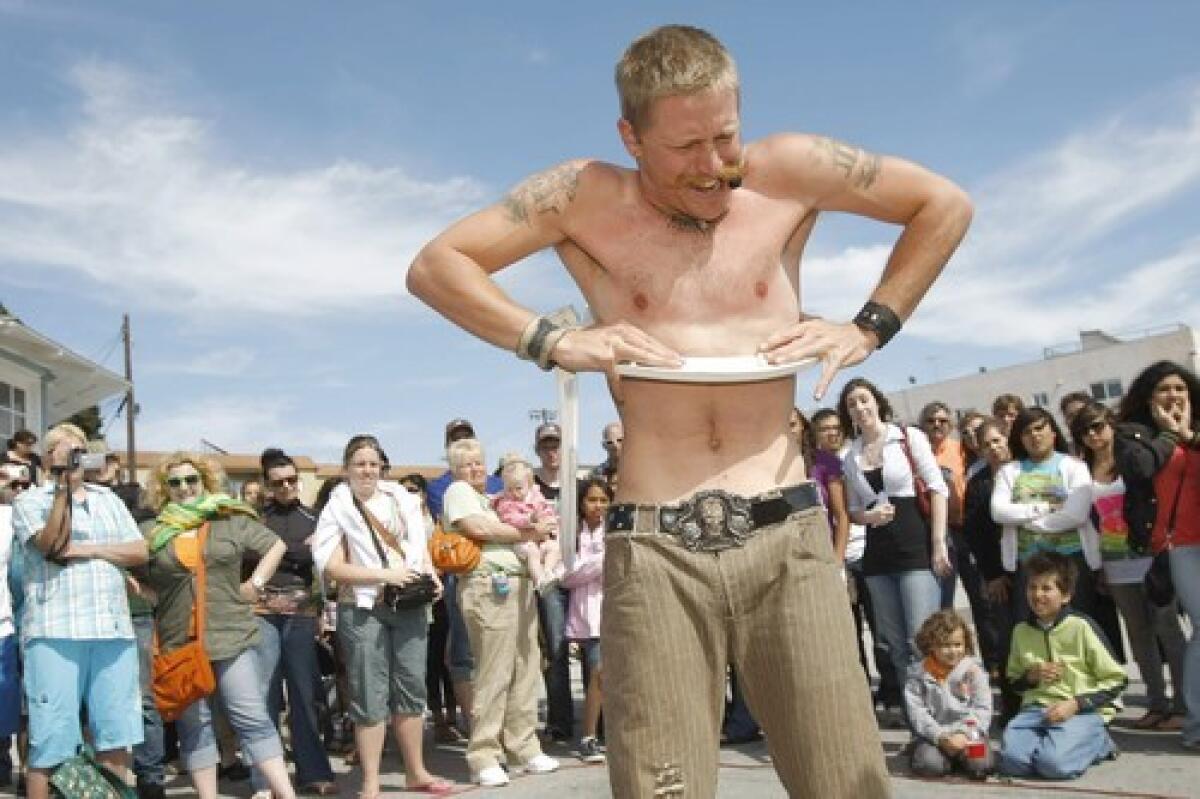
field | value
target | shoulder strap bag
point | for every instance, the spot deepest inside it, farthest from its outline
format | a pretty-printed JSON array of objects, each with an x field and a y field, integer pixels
[
  {"x": 184, "y": 676},
  {"x": 1158, "y": 584},
  {"x": 415, "y": 593},
  {"x": 920, "y": 488}
]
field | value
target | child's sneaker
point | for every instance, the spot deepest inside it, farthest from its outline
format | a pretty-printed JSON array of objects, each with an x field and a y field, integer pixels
[{"x": 590, "y": 751}]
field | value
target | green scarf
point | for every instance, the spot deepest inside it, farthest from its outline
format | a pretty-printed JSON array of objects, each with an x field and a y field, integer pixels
[{"x": 175, "y": 518}]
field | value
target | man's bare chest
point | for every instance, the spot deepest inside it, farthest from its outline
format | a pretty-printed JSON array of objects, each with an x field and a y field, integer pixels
[{"x": 647, "y": 270}]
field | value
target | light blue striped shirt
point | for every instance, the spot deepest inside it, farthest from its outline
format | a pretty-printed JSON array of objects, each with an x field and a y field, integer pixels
[{"x": 86, "y": 598}]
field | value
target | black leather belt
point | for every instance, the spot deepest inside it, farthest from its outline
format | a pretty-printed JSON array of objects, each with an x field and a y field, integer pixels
[{"x": 713, "y": 520}]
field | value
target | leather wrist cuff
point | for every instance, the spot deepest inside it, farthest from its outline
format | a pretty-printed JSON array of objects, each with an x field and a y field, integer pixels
[
  {"x": 880, "y": 320},
  {"x": 542, "y": 334}
]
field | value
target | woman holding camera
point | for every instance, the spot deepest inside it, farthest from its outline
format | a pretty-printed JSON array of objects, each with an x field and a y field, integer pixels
[
  {"x": 370, "y": 538},
  {"x": 184, "y": 489}
]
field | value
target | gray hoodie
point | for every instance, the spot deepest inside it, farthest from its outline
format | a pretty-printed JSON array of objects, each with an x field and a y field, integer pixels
[{"x": 939, "y": 709}]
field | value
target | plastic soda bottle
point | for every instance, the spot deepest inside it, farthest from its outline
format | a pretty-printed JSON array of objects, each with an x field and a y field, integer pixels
[{"x": 976, "y": 742}]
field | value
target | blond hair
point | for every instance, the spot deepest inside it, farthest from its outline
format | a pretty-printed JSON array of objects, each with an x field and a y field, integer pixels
[
  {"x": 458, "y": 451},
  {"x": 61, "y": 431},
  {"x": 671, "y": 60},
  {"x": 211, "y": 476},
  {"x": 516, "y": 473}
]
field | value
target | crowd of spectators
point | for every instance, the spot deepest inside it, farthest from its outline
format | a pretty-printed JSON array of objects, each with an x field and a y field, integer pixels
[{"x": 336, "y": 616}]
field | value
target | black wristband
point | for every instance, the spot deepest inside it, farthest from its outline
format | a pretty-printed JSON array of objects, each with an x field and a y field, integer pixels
[{"x": 880, "y": 320}]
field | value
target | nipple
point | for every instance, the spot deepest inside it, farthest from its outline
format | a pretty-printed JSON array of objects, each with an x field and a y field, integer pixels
[
  {"x": 640, "y": 302},
  {"x": 760, "y": 289}
]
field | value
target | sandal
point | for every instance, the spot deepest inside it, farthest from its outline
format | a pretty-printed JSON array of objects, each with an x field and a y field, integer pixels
[
  {"x": 437, "y": 787},
  {"x": 1172, "y": 723},
  {"x": 1151, "y": 720}
]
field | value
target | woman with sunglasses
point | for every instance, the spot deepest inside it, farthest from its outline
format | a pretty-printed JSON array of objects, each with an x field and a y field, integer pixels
[
  {"x": 1158, "y": 455},
  {"x": 1042, "y": 499},
  {"x": 185, "y": 490},
  {"x": 14, "y": 478},
  {"x": 1149, "y": 626},
  {"x": 287, "y": 612}
]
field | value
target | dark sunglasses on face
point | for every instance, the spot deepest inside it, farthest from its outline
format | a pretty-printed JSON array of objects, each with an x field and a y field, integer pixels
[
  {"x": 1096, "y": 428},
  {"x": 177, "y": 482},
  {"x": 18, "y": 485},
  {"x": 290, "y": 482},
  {"x": 938, "y": 421}
]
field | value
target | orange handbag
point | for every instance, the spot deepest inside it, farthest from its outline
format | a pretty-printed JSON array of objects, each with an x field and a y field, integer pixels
[
  {"x": 184, "y": 676},
  {"x": 453, "y": 553}
]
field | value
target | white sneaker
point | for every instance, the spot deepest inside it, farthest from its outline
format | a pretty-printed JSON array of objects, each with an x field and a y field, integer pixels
[
  {"x": 492, "y": 777},
  {"x": 541, "y": 764}
]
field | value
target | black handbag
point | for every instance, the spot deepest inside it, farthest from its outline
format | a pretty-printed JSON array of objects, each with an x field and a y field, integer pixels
[
  {"x": 414, "y": 593},
  {"x": 1158, "y": 584}
]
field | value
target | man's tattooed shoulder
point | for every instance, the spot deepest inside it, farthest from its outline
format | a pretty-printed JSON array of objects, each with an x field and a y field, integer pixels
[
  {"x": 548, "y": 192},
  {"x": 860, "y": 167}
]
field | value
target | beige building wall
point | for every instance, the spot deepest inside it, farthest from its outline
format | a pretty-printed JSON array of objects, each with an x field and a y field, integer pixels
[
  {"x": 1100, "y": 364},
  {"x": 240, "y": 468}
]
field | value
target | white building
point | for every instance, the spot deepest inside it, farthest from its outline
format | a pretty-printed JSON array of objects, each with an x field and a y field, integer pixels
[
  {"x": 42, "y": 382},
  {"x": 1100, "y": 364}
]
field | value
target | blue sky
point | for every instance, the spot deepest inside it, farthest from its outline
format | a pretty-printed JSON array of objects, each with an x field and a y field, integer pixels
[{"x": 250, "y": 181}]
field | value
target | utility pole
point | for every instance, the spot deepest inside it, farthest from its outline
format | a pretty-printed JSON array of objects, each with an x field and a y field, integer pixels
[{"x": 130, "y": 405}]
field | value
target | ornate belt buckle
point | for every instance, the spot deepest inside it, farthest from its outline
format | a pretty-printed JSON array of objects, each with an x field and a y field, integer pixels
[{"x": 714, "y": 520}]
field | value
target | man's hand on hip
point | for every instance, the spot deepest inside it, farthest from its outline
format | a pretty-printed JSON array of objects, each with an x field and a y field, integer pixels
[{"x": 835, "y": 344}]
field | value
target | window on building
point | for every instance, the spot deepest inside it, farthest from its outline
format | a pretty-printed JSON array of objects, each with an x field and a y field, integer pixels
[
  {"x": 12, "y": 410},
  {"x": 1041, "y": 399},
  {"x": 1107, "y": 390}
]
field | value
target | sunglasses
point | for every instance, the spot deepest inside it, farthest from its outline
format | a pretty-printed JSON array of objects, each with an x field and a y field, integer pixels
[
  {"x": 290, "y": 482},
  {"x": 938, "y": 421},
  {"x": 18, "y": 485},
  {"x": 177, "y": 482},
  {"x": 1096, "y": 428}
]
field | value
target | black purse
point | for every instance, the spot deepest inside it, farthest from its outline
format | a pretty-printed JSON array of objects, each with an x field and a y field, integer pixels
[
  {"x": 1160, "y": 588},
  {"x": 414, "y": 593}
]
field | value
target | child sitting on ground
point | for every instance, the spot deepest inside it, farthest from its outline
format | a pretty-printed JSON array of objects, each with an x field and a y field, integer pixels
[
  {"x": 949, "y": 701},
  {"x": 1068, "y": 677},
  {"x": 520, "y": 505}
]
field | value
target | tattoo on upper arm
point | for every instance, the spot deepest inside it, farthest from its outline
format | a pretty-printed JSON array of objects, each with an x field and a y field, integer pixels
[
  {"x": 546, "y": 192},
  {"x": 860, "y": 167}
]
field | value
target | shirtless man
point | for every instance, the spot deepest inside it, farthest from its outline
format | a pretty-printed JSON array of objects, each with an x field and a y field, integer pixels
[{"x": 696, "y": 252}]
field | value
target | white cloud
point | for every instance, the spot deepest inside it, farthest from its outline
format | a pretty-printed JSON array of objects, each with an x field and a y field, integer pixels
[
  {"x": 1034, "y": 267},
  {"x": 224, "y": 362},
  {"x": 135, "y": 195},
  {"x": 235, "y": 424}
]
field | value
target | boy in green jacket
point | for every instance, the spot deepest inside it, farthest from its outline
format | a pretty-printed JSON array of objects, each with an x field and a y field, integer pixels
[{"x": 1068, "y": 679}]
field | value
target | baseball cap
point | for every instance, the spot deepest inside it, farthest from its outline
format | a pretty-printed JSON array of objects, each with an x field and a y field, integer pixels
[
  {"x": 547, "y": 430},
  {"x": 456, "y": 425}
]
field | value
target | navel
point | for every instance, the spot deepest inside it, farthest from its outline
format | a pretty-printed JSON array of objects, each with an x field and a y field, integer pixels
[
  {"x": 760, "y": 289},
  {"x": 640, "y": 302}
]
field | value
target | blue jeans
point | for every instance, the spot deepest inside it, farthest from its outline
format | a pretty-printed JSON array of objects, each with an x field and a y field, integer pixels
[
  {"x": 1185, "y": 572},
  {"x": 560, "y": 707},
  {"x": 458, "y": 653},
  {"x": 1034, "y": 748},
  {"x": 901, "y": 603},
  {"x": 240, "y": 691},
  {"x": 148, "y": 755},
  {"x": 739, "y": 723},
  {"x": 287, "y": 649}
]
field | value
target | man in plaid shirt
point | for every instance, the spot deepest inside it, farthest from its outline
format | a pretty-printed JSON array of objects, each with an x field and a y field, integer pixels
[{"x": 76, "y": 633}]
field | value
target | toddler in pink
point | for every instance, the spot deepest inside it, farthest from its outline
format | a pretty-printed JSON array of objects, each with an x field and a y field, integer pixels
[{"x": 520, "y": 504}]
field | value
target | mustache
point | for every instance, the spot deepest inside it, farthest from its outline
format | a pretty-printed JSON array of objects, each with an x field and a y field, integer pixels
[{"x": 731, "y": 175}]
